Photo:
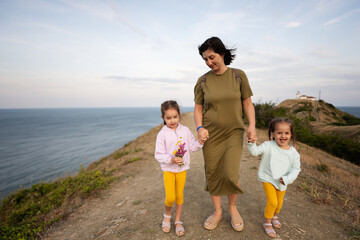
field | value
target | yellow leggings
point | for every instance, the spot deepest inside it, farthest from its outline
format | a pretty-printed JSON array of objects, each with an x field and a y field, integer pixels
[
  {"x": 174, "y": 187},
  {"x": 274, "y": 198}
]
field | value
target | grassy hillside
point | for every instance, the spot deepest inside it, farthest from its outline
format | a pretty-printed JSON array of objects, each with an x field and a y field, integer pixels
[{"x": 317, "y": 124}]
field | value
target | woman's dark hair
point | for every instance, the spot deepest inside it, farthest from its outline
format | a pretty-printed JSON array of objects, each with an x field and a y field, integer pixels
[
  {"x": 167, "y": 105},
  {"x": 217, "y": 46},
  {"x": 272, "y": 126}
]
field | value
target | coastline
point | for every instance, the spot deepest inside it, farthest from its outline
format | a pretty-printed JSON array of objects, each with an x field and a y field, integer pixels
[{"x": 125, "y": 210}]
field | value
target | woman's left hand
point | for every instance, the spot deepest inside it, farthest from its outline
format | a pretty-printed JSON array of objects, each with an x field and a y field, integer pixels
[{"x": 251, "y": 134}]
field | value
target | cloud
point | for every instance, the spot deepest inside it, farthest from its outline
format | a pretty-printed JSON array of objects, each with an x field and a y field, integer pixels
[
  {"x": 323, "y": 52},
  {"x": 292, "y": 25},
  {"x": 109, "y": 11},
  {"x": 147, "y": 79},
  {"x": 340, "y": 18}
]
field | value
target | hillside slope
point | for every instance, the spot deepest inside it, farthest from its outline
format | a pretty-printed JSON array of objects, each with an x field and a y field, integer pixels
[
  {"x": 324, "y": 117},
  {"x": 323, "y": 203}
]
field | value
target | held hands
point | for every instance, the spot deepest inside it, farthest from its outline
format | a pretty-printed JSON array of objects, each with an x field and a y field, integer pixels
[
  {"x": 203, "y": 135},
  {"x": 251, "y": 134},
  {"x": 177, "y": 160}
]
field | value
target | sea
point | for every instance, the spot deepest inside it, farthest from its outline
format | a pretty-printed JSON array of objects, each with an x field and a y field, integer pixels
[{"x": 42, "y": 145}]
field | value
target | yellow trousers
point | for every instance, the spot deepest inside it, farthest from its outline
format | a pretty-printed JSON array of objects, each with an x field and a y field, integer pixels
[
  {"x": 274, "y": 199},
  {"x": 174, "y": 187}
]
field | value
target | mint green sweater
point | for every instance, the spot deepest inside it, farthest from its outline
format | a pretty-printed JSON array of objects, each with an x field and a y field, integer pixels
[{"x": 276, "y": 163}]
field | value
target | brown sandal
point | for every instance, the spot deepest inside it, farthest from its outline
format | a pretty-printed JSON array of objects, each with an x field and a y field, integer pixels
[
  {"x": 211, "y": 222},
  {"x": 237, "y": 223}
]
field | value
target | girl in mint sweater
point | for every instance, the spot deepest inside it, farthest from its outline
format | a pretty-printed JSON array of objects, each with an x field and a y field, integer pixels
[{"x": 279, "y": 167}]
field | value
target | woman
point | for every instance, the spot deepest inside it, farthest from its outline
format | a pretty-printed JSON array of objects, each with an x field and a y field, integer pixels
[{"x": 220, "y": 96}]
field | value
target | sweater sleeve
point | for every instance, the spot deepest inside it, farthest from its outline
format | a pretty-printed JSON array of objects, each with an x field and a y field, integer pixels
[
  {"x": 194, "y": 145},
  {"x": 255, "y": 150},
  {"x": 161, "y": 154},
  {"x": 294, "y": 171}
]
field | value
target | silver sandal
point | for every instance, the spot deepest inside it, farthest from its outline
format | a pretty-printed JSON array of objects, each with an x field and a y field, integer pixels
[
  {"x": 275, "y": 222},
  {"x": 269, "y": 231},
  {"x": 166, "y": 226},
  {"x": 180, "y": 231}
]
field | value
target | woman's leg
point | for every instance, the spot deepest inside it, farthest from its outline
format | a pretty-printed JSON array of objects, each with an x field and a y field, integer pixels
[
  {"x": 217, "y": 206},
  {"x": 212, "y": 221},
  {"x": 236, "y": 220}
]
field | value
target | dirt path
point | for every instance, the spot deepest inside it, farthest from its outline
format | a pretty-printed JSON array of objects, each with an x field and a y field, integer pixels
[{"x": 132, "y": 207}]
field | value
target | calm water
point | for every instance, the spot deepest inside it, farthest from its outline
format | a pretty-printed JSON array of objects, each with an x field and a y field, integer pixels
[
  {"x": 43, "y": 144},
  {"x": 352, "y": 110}
]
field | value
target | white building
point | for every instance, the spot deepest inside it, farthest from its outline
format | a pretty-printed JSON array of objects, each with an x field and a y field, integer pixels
[{"x": 299, "y": 96}]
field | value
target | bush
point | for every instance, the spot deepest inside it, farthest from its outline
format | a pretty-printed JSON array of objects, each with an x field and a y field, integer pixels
[
  {"x": 333, "y": 144},
  {"x": 265, "y": 112},
  {"x": 26, "y": 213}
]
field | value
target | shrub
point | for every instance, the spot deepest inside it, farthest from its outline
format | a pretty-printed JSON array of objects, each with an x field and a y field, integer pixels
[
  {"x": 322, "y": 167},
  {"x": 265, "y": 112},
  {"x": 333, "y": 144},
  {"x": 28, "y": 212},
  {"x": 120, "y": 154}
]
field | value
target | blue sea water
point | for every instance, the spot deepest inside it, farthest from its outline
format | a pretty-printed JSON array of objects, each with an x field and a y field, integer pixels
[
  {"x": 355, "y": 111},
  {"x": 44, "y": 144},
  {"x": 40, "y": 145}
]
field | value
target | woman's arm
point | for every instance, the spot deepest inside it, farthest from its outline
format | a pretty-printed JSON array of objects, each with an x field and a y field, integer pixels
[
  {"x": 203, "y": 134},
  {"x": 250, "y": 115}
]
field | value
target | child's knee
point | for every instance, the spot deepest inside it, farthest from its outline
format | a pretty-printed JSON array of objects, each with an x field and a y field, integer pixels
[
  {"x": 272, "y": 203},
  {"x": 169, "y": 201},
  {"x": 180, "y": 201}
]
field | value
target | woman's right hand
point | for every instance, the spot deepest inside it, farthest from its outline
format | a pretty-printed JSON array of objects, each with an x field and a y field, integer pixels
[{"x": 203, "y": 135}]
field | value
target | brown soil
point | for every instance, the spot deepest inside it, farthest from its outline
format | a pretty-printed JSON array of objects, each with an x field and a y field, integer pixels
[{"x": 133, "y": 206}]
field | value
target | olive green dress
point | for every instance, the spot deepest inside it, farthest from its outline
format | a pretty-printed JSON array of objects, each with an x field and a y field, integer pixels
[{"x": 221, "y": 97}]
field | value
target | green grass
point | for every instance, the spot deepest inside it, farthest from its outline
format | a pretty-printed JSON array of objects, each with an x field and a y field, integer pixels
[
  {"x": 120, "y": 154},
  {"x": 304, "y": 107},
  {"x": 334, "y": 144},
  {"x": 137, "y": 202},
  {"x": 135, "y": 159},
  {"x": 26, "y": 213},
  {"x": 322, "y": 167},
  {"x": 138, "y": 149},
  {"x": 349, "y": 121}
]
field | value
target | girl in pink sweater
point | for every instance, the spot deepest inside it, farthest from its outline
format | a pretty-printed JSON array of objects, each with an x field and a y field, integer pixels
[{"x": 173, "y": 144}]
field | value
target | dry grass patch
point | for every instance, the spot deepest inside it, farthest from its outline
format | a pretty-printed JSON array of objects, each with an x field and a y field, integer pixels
[{"x": 329, "y": 180}]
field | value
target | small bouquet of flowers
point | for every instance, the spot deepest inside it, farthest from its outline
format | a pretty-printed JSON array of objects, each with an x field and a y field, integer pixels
[{"x": 180, "y": 152}]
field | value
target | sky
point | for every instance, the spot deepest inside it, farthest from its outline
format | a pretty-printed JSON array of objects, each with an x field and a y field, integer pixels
[{"x": 117, "y": 53}]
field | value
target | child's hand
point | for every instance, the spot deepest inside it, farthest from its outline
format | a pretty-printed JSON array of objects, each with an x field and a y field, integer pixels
[
  {"x": 252, "y": 140},
  {"x": 203, "y": 135},
  {"x": 202, "y": 140},
  {"x": 177, "y": 160},
  {"x": 282, "y": 181}
]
